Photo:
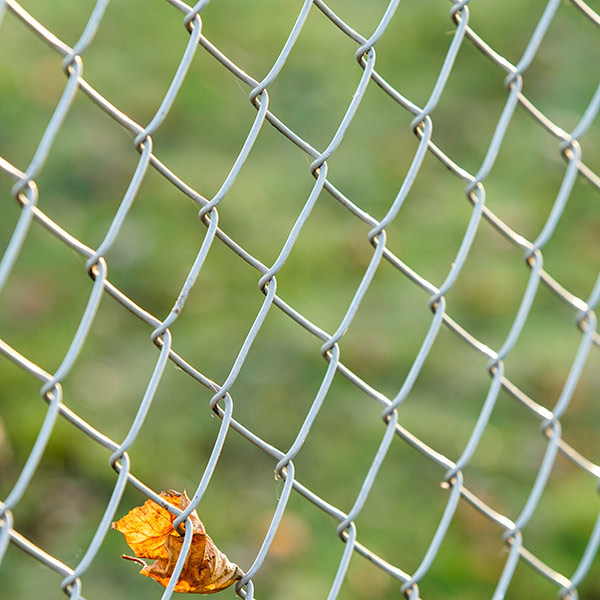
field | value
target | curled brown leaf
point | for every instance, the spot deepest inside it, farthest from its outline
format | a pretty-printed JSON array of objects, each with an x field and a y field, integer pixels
[{"x": 149, "y": 532}]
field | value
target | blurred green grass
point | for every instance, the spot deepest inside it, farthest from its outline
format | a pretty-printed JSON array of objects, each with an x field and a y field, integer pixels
[{"x": 131, "y": 62}]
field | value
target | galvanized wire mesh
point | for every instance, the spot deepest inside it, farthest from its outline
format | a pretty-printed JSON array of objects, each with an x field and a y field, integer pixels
[{"x": 510, "y": 529}]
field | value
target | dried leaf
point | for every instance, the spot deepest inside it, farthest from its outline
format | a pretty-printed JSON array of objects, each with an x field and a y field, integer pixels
[{"x": 149, "y": 532}]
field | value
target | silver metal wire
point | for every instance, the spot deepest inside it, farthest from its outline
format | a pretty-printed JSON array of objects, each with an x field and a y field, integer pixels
[{"x": 452, "y": 474}]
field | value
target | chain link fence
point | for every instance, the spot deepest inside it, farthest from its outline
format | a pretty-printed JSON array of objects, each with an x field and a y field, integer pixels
[{"x": 371, "y": 305}]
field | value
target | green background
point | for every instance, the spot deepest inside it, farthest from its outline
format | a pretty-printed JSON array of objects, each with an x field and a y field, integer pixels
[{"x": 131, "y": 62}]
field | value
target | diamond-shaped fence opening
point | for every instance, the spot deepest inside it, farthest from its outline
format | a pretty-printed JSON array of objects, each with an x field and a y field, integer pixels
[{"x": 354, "y": 245}]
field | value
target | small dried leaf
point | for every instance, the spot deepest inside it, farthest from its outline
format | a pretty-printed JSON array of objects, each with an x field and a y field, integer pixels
[{"x": 149, "y": 532}]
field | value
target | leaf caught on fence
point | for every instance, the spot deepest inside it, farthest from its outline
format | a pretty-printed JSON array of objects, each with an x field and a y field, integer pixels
[{"x": 149, "y": 532}]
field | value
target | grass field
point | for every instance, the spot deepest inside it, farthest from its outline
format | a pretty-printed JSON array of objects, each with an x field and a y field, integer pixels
[{"x": 131, "y": 62}]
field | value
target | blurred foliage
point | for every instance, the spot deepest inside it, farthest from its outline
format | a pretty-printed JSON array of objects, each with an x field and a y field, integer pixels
[{"x": 131, "y": 62}]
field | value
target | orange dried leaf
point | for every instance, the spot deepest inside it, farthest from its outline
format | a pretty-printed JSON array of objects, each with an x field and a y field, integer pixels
[
  {"x": 149, "y": 532},
  {"x": 147, "y": 527}
]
